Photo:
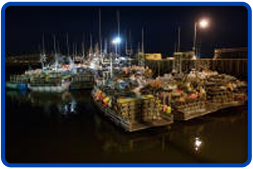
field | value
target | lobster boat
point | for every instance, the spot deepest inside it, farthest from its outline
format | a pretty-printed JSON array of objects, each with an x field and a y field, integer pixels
[
  {"x": 50, "y": 84},
  {"x": 83, "y": 80},
  {"x": 17, "y": 82},
  {"x": 132, "y": 113}
]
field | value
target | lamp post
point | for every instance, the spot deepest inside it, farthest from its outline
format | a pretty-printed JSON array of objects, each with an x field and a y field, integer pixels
[
  {"x": 202, "y": 24},
  {"x": 116, "y": 42}
]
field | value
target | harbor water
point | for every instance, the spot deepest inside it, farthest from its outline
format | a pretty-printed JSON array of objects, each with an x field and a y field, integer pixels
[{"x": 69, "y": 128}]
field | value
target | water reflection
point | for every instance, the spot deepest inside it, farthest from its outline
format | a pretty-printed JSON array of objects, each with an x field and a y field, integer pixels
[
  {"x": 68, "y": 108},
  {"x": 197, "y": 144},
  {"x": 222, "y": 133},
  {"x": 65, "y": 103}
]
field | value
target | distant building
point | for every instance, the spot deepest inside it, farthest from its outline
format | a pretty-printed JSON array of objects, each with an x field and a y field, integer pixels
[
  {"x": 185, "y": 55},
  {"x": 231, "y": 53},
  {"x": 153, "y": 56}
]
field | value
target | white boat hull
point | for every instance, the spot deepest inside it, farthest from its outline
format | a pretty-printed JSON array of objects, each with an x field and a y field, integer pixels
[{"x": 57, "y": 89}]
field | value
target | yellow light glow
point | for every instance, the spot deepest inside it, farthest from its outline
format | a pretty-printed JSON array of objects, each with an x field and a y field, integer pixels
[{"x": 203, "y": 23}]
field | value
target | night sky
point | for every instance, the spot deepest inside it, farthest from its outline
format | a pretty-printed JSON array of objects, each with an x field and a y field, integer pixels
[{"x": 25, "y": 26}]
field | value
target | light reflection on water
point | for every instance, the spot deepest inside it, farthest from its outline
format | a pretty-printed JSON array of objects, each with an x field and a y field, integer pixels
[
  {"x": 73, "y": 130},
  {"x": 198, "y": 143}
]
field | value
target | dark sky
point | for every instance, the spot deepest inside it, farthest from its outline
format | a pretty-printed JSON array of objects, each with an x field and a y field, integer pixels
[{"x": 25, "y": 26}]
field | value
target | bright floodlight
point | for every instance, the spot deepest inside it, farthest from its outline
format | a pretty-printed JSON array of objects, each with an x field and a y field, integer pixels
[
  {"x": 117, "y": 40},
  {"x": 203, "y": 23}
]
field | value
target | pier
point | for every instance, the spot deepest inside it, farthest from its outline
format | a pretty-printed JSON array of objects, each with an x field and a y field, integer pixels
[{"x": 234, "y": 67}]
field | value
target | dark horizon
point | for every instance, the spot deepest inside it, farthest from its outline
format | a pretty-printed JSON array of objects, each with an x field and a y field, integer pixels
[{"x": 24, "y": 27}]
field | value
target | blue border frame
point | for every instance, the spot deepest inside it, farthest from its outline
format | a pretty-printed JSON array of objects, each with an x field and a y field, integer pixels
[{"x": 126, "y": 164}]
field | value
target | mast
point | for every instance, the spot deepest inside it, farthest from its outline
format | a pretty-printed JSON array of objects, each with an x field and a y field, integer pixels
[
  {"x": 100, "y": 33},
  {"x": 105, "y": 47},
  {"x": 43, "y": 44},
  {"x": 39, "y": 47},
  {"x": 67, "y": 43},
  {"x": 96, "y": 50},
  {"x": 55, "y": 50},
  {"x": 83, "y": 48},
  {"x": 58, "y": 46},
  {"x": 178, "y": 40},
  {"x": 73, "y": 51},
  {"x": 91, "y": 49},
  {"x": 55, "y": 53},
  {"x": 131, "y": 45},
  {"x": 118, "y": 21},
  {"x": 142, "y": 39},
  {"x": 139, "y": 49},
  {"x": 142, "y": 47},
  {"x": 76, "y": 49},
  {"x": 126, "y": 43}
]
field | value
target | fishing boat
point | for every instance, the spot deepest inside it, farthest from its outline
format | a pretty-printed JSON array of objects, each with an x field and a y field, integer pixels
[
  {"x": 49, "y": 83},
  {"x": 226, "y": 91},
  {"x": 117, "y": 97},
  {"x": 198, "y": 93},
  {"x": 82, "y": 80},
  {"x": 17, "y": 82},
  {"x": 131, "y": 113}
]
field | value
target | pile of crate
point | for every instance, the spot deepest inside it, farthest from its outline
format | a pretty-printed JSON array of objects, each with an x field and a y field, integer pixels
[
  {"x": 191, "y": 107},
  {"x": 130, "y": 109},
  {"x": 83, "y": 77},
  {"x": 82, "y": 80},
  {"x": 136, "y": 110},
  {"x": 152, "y": 108},
  {"x": 220, "y": 97}
]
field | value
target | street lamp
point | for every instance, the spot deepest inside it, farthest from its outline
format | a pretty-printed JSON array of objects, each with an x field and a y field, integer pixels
[
  {"x": 116, "y": 41},
  {"x": 202, "y": 24}
]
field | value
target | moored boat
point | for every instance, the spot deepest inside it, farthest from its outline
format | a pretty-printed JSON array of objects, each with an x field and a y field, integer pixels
[
  {"x": 17, "y": 82},
  {"x": 82, "y": 80},
  {"x": 132, "y": 113},
  {"x": 50, "y": 84}
]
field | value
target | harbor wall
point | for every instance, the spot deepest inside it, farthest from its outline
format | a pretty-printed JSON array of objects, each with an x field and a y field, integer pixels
[{"x": 235, "y": 67}]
